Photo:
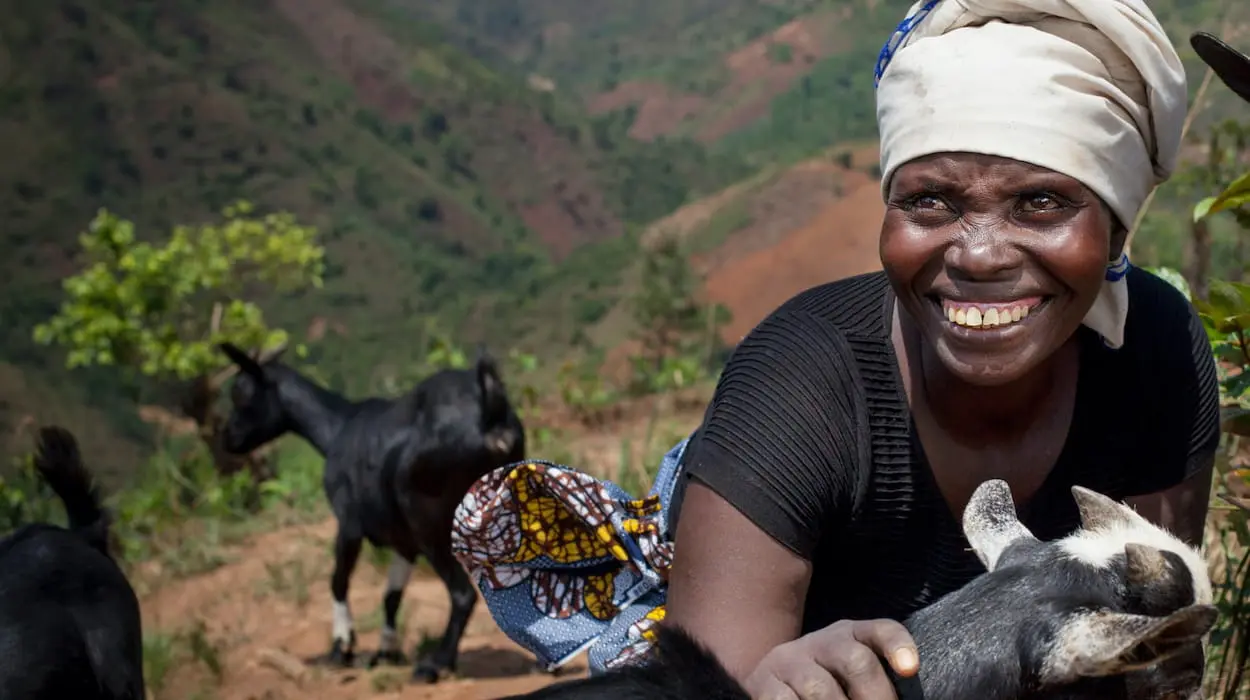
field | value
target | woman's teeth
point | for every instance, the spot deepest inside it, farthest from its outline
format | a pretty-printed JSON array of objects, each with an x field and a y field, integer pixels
[{"x": 987, "y": 315}]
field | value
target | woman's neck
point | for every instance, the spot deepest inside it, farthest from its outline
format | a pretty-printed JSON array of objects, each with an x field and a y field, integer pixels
[{"x": 982, "y": 413}]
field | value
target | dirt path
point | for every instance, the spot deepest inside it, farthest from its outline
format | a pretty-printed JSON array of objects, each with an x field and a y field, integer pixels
[
  {"x": 259, "y": 617},
  {"x": 267, "y": 610}
]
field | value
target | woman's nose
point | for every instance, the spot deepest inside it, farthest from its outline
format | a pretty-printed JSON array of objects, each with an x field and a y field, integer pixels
[{"x": 983, "y": 253}]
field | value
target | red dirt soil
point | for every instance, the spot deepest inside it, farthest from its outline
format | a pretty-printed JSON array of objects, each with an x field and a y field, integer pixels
[
  {"x": 266, "y": 610},
  {"x": 756, "y": 78},
  {"x": 264, "y": 637},
  {"x": 839, "y": 241},
  {"x": 571, "y": 209},
  {"x": 784, "y": 205},
  {"x": 661, "y": 110}
]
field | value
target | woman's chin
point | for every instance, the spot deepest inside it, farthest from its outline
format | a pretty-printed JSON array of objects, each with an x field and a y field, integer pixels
[
  {"x": 989, "y": 356},
  {"x": 986, "y": 367}
]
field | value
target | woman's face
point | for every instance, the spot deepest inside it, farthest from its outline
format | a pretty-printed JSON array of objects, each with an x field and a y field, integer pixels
[{"x": 996, "y": 260}]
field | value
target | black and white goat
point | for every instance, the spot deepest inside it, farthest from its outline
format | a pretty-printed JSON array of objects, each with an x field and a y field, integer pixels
[
  {"x": 69, "y": 620},
  {"x": 1115, "y": 611},
  {"x": 395, "y": 471}
]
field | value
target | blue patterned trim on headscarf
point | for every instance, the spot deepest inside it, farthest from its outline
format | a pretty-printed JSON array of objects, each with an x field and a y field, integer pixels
[
  {"x": 900, "y": 33},
  {"x": 1118, "y": 269}
]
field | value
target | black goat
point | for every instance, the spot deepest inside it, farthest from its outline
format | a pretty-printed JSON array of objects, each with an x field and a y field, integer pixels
[
  {"x": 69, "y": 620},
  {"x": 395, "y": 471},
  {"x": 1115, "y": 611}
]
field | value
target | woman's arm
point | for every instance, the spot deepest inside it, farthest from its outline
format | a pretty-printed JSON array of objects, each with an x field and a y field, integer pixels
[
  {"x": 1181, "y": 509},
  {"x": 732, "y": 586},
  {"x": 1184, "y": 371},
  {"x": 774, "y": 466},
  {"x": 741, "y": 593},
  {"x": 765, "y": 473}
]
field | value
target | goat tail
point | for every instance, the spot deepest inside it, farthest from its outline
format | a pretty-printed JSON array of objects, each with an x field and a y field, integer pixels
[
  {"x": 490, "y": 384},
  {"x": 681, "y": 656},
  {"x": 59, "y": 463}
]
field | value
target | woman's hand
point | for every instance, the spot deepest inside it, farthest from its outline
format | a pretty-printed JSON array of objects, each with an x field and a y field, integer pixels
[{"x": 839, "y": 662}]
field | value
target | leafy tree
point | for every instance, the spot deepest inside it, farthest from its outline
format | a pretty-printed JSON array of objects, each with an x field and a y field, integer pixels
[
  {"x": 159, "y": 310},
  {"x": 1224, "y": 307},
  {"x": 677, "y": 330},
  {"x": 1225, "y": 144}
]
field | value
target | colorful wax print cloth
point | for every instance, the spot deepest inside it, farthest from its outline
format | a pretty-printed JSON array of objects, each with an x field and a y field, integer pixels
[{"x": 567, "y": 562}]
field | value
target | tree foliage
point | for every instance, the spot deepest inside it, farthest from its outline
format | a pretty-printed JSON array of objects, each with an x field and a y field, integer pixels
[
  {"x": 677, "y": 330},
  {"x": 161, "y": 309},
  {"x": 1224, "y": 307}
]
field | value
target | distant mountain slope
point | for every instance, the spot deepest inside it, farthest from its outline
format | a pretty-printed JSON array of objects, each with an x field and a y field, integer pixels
[
  {"x": 441, "y": 184},
  {"x": 766, "y": 80},
  {"x": 447, "y": 150}
]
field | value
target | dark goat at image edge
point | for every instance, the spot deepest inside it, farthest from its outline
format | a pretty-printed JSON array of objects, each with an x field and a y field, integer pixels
[
  {"x": 70, "y": 625},
  {"x": 395, "y": 470},
  {"x": 1115, "y": 611}
]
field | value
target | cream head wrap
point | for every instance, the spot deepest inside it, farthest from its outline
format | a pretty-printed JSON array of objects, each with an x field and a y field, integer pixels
[{"x": 1092, "y": 89}]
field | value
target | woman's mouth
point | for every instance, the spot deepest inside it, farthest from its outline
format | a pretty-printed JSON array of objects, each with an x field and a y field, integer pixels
[{"x": 989, "y": 315}]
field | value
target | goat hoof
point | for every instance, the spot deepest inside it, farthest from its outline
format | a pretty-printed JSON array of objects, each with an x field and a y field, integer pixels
[
  {"x": 389, "y": 657},
  {"x": 340, "y": 655},
  {"x": 430, "y": 672}
]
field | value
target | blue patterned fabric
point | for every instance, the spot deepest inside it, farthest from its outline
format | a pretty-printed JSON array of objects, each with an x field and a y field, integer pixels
[{"x": 569, "y": 563}]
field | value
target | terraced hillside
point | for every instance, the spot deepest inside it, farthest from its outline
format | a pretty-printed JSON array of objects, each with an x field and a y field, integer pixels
[
  {"x": 486, "y": 162},
  {"x": 440, "y": 185}
]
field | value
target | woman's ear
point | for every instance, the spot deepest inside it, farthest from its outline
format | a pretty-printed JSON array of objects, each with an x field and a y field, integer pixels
[{"x": 1119, "y": 236}]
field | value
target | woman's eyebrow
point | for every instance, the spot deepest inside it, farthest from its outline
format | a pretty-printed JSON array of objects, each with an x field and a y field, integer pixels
[{"x": 923, "y": 183}]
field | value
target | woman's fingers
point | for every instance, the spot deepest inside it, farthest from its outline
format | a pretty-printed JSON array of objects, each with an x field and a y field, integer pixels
[
  {"x": 771, "y": 688},
  {"x": 890, "y": 640},
  {"x": 859, "y": 670},
  {"x": 839, "y": 662},
  {"x": 806, "y": 680}
]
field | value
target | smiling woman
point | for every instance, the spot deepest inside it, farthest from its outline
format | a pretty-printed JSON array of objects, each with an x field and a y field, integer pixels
[{"x": 1006, "y": 338}]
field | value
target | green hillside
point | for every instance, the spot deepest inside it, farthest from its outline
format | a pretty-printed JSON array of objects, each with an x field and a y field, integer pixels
[
  {"x": 596, "y": 44},
  {"x": 486, "y": 163},
  {"x": 440, "y": 185}
]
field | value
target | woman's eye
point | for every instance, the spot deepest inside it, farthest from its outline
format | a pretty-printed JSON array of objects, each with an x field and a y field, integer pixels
[
  {"x": 928, "y": 201},
  {"x": 1040, "y": 202}
]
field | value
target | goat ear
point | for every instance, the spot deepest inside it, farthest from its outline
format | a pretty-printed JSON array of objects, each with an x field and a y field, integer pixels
[
  {"x": 243, "y": 360},
  {"x": 1099, "y": 512},
  {"x": 1103, "y": 643},
  {"x": 990, "y": 522}
]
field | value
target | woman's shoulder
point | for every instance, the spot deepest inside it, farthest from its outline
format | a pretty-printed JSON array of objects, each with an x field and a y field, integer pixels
[
  {"x": 1162, "y": 325},
  {"x": 854, "y": 306},
  {"x": 1153, "y": 299}
]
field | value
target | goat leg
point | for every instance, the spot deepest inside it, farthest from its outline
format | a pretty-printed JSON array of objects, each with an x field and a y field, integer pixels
[
  {"x": 389, "y": 651},
  {"x": 463, "y": 598},
  {"x": 343, "y": 644}
]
